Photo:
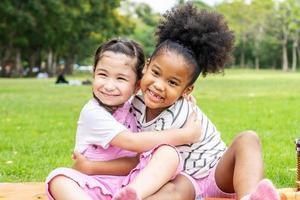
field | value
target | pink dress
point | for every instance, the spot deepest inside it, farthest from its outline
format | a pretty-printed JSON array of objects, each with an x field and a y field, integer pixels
[
  {"x": 100, "y": 186},
  {"x": 103, "y": 187}
]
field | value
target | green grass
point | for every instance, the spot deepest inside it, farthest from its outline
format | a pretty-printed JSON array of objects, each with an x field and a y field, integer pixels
[{"x": 38, "y": 120}]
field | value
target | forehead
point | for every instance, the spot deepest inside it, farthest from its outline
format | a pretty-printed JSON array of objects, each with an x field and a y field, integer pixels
[
  {"x": 173, "y": 63},
  {"x": 110, "y": 58}
]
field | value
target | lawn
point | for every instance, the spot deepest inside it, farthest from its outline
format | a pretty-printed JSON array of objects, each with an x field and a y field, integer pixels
[{"x": 38, "y": 120}]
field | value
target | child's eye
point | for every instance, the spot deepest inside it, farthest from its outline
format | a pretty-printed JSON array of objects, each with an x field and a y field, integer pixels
[
  {"x": 173, "y": 83},
  {"x": 155, "y": 73},
  {"x": 122, "y": 79},
  {"x": 102, "y": 74}
]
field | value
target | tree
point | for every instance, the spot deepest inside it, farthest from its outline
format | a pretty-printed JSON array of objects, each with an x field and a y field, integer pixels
[
  {"x": 262, "y": 10},
  {"x": 145, "y": 21},
  {"x": 294, "y": 27},
  {"x": 237, "y": 14}
]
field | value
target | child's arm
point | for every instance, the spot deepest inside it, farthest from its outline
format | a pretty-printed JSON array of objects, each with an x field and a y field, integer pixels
[
  {"x": 144, "y": 141},
  {"x": 119, "y": 167}
]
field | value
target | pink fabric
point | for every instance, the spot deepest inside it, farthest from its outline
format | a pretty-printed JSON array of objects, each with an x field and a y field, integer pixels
[
  {"x": 144, "y": 160},
  {"x": 207, "y": 186},
  {"x": 100, "y": 187},
  {"x": 125, "y": 115}
]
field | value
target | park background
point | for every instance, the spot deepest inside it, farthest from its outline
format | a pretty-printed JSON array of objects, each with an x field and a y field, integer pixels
[{"x": 260, "y": 89}]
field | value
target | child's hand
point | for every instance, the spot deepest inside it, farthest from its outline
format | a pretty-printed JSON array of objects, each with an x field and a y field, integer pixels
[
  {"x": 193, "y": 128},
  {"x": 81, "y": 164}
]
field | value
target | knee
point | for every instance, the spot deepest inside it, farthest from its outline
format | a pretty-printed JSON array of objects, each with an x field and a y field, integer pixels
[
  {"x": 174, "y": 191},
  {"x": 57, "y": 182},
  {"x": 248, "y": 138},
  {"x": 166, "y": 150}
]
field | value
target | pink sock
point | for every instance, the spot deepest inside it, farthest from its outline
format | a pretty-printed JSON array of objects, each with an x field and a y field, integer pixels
[
  {"x": 265, "y": 190},
  {"x": 127, "y": 193}
]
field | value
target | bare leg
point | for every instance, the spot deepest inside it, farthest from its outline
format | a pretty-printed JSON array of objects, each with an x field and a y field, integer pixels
[
  {"x": 63, "y": 188},
  {"x": 178, "y": 189},
  {"x": 241, "y": 167},
  {"x": 160, "y": 169}
]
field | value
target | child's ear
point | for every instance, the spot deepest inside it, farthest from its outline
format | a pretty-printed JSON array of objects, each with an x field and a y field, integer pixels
[{"x": 188, "y": 90}]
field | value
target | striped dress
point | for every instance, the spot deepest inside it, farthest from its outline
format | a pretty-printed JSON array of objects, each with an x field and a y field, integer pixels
[{"x": 198, "y": 157}]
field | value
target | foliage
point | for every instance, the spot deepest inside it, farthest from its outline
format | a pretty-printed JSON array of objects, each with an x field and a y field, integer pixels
[
  {"x": 55, "y": 30},
  {"x": 44, "y": 34}
]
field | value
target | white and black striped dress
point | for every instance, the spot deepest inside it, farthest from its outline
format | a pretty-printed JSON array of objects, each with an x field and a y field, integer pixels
[{"x": 198, "y": 157}]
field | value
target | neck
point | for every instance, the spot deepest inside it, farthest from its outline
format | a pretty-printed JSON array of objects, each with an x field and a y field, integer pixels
[
  {"x": 152, "y": 113},
  {"x": 110, "y": 109}
]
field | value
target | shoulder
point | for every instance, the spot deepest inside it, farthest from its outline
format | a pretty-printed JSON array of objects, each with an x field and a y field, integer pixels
[{"x": 93, "y": 110}]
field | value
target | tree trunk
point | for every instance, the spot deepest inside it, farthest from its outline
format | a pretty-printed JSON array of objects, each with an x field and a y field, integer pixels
[
  {"x": 242, "y": 62},
  {"x": 295, "y": 47},
  {"x": 285, "y": 64},
  {"x": 32, "y": 62},
  {"x": 19, "y": 67},
  {"x": 7, "y": 55},
  {"x": 256, "y": 62},
  {"x": 256, "y": 53},
  {"x": 298, "y": 51},
  {"x": 49, "y": 65},
  {"x": 6, "y": 63},
  {"x": 70, "y": 61},
  {"x": 54, "y": 64}
]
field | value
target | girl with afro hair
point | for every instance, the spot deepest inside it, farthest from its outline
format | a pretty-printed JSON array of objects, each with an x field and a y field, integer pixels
[{"x": 189, "y": 43}]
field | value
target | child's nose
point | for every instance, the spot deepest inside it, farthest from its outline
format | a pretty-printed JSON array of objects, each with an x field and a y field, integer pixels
[
  {"x": 159, "y": 85},
  {"x": 109, "y": 85}
]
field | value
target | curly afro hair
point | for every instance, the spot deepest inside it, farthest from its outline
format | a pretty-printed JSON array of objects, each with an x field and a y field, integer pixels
[{"x": 204, "y": 37}]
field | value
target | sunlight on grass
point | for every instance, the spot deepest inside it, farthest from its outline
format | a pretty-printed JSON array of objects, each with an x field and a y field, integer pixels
[{"x": 38, "y": 120}]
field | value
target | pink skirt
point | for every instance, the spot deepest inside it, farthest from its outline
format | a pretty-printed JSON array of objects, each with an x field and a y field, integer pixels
[
  {"x": 103, "y": 187},
  {"x": 98, "y": 187}
]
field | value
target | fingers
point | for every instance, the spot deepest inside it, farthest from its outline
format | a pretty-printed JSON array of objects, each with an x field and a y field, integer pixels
[
  {"x": 76, "y": 155},
  {"x": 191, "y": 99},
  {"x": 193, "y": 115}
]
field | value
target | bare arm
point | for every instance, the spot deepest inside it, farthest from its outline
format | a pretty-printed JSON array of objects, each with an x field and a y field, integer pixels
[
  {"x": 119, "y": 167},
  {"x": 143, "y": 141}
]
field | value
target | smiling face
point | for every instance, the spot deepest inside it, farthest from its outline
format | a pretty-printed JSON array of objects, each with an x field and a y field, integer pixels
[
  {"x": 166, "y": 78},
  {"x": 114, "y": 78}
]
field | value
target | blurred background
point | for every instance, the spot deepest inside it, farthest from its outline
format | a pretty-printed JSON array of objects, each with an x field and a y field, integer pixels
[{"x": 38, "y": 36}]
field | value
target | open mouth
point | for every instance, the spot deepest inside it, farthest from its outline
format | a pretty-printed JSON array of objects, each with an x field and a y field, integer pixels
[{"x": 154, "y": 96}]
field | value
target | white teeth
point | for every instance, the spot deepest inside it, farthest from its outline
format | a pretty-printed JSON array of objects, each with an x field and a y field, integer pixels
[{"x": 155, "y": 95}]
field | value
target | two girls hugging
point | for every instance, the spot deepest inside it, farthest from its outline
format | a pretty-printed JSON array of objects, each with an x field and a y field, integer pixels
[{"x": 140, "y": 138}]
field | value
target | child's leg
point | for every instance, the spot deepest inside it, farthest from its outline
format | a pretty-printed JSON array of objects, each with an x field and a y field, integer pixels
[
  {"x": 241, "y": 167},
  {"x": 63, "y": 188},
  {"x": 178, "y": 189},
  {"x": 160, "y": 169}
]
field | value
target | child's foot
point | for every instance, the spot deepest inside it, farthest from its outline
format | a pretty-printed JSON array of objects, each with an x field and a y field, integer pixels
[
  {"x": 265, "y": 190},
  {"x": 126, "y": 193}
]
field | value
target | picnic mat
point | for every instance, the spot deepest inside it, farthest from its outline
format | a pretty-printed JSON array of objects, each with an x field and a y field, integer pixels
[
  {"x": 36, "y": 191},
  {"x": 32, "y": 191},
  {"x": 22, "y": 191}
]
